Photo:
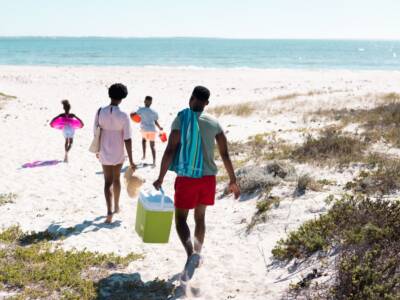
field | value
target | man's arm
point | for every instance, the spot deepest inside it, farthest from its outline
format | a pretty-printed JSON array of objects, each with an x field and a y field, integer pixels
[
  {"x": 223, "y": 151},
  {"x": 128, "y": 146},
  {"x": 172, "y": 147}
]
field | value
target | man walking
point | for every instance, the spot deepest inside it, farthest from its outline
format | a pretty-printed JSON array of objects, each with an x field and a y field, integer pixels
[{"x": 190, "y": 153}]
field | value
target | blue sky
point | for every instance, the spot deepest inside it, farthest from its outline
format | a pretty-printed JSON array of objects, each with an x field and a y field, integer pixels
[{"x": 361, "y": 19}]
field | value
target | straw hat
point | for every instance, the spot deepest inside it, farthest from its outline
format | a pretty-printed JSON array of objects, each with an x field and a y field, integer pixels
[{"x": 133, "y": 183}]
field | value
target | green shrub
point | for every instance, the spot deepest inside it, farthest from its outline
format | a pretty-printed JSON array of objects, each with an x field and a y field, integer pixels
[
  {"x": 367, "y": 234},
  {"x": 42, "y": 270}
]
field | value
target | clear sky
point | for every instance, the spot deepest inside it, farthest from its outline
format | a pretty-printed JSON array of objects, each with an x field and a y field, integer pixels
[{"x": 360, "y": 19}]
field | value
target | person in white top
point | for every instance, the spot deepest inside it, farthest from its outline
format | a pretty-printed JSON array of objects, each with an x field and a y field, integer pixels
[{"x": 115, "y": 134}]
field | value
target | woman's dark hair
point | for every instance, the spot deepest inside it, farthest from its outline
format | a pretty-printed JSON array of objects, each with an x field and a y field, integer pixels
[
  {"x": 66, "y": 106},
  {"x": 117, "y": 91}
]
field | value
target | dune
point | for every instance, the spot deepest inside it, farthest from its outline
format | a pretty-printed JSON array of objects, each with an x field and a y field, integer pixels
[{"x": 52, "y": 195}]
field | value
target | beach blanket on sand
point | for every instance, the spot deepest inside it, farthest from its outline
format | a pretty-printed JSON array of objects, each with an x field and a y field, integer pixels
[{"x": 188, "y": 160}]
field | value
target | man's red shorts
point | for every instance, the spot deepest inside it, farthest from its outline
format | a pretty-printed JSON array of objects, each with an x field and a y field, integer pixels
[{"x": 191, "y": 192}]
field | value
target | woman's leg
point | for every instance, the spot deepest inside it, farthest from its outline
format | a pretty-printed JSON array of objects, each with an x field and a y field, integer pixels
[
  {"x": 108, "y": 182},
  {"x": 116, "y": 186}
]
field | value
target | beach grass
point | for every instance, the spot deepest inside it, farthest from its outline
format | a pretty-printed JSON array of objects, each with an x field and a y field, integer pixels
[
  {"x": 390, "y": 97},
  {"x": 244, "y": 109},
  {"x": 305, "y": 182},
  {"x": 330, "y": 147},
  {"x": 43, "y": 270},
  {"x": 6, "y": 96},
  {"x": 378, "y": 123},
  {"x": 7, "y": 198},
  {"x": 263, "y": 207},
  {"x": 381, "y": 178},
  {"x": 296, "y": 95}
]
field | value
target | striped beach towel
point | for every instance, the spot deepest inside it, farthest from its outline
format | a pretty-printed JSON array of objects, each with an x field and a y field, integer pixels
[{"x": 188, "y": 160}]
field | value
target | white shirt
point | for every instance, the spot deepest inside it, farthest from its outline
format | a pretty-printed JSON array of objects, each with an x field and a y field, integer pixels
[{"x": 115, "y": 129}]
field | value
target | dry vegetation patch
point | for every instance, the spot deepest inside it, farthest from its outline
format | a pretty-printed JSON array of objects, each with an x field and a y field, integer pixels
[
  {"x": 4, "y": 98},
  {"x": 367, "y": 234},
  {"x": 244, "y": 109},
  {"x": 331, "y": 147},
  {"x": 381, "y": 177},
  {"x": 263, "y": 208},
  {"x": 7, "y": 198},
  {"x": 380, "y": 122},
  {"x": 296, "y": 95}
]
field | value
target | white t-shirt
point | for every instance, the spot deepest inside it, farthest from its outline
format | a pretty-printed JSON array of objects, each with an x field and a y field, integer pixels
[
  {"x": 115, "y": 129},
  {"x": 149, "y": 116}
]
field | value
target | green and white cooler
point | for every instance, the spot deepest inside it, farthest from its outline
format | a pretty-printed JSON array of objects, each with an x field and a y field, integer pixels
[{"x": 154, "y": 214}]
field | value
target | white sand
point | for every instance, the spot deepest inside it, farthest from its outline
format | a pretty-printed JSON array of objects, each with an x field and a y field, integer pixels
[{"x": 64, "y": 195}]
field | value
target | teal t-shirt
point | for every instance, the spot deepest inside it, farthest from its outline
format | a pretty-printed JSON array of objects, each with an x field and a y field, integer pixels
[{"x": 209, "y": 128}]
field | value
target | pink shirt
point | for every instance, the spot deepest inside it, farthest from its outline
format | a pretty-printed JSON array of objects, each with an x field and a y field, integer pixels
[{"x": 115, "y": 129}]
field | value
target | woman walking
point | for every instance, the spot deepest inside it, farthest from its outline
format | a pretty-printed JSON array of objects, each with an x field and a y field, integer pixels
[{"x": 115, "y": 134}]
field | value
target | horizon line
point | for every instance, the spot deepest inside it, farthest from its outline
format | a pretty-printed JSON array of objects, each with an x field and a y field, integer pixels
[{"x": 201, "y": 37}]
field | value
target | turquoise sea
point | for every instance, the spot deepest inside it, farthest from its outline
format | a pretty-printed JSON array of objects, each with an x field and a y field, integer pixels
[{"x": 201, "y": 52}]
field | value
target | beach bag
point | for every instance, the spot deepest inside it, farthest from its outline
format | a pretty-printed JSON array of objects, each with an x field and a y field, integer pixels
[{"x": 95, "y": 145}]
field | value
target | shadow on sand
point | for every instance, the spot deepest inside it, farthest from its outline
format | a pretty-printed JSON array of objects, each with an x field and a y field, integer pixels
[
  {"x": 131, "y": 287},
  {"x": 56, "y": 231},
  {"x": 40, "y": 163},
  {"x": 120, "y": 286}
]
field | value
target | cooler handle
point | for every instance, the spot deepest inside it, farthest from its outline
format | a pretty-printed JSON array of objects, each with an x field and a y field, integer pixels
[{"x": 162, "y": 197}]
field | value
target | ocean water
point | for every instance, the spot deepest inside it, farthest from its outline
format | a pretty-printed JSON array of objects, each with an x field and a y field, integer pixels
[{"x": 201, "y": 52}]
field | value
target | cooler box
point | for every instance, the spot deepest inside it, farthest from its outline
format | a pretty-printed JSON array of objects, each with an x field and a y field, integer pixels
[{"x": 154, "y": 216}]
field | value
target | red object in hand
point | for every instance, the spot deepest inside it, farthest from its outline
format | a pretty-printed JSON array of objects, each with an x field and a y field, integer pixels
[
  {"x": 136, "y": 118},
  {"x": 163, "y": 137}
]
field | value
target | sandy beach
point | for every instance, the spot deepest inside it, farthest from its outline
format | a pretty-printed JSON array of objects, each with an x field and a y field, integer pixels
[{"x": 57, "y": 196}]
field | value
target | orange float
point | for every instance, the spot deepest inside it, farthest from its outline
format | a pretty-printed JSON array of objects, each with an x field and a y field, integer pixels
[{"x": 136, "y": 118}]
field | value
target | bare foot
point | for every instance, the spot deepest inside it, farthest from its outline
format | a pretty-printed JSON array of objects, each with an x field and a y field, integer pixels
[
  {"x": 109, "y": 218},
  {"x": 66, "y": 158},
  {"x": 117, "y": 210}
]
